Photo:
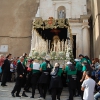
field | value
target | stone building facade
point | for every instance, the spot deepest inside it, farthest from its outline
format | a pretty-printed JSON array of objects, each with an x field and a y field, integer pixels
[
  {"x": 15, "y": 25},
  {"x": 95, "y": 14}
]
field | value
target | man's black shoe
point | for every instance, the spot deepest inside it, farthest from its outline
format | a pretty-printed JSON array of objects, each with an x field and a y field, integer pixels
[
  {"x": 28, "y": 91},
  {"x": 24, "y": 95},
  {"x": 3, "y": 85},
  {"x": 12, "y": 94},
  {"x": 77, "y": 95},
  {"x": 31, "y": 97},
  {"x": 18, "y": 96}
]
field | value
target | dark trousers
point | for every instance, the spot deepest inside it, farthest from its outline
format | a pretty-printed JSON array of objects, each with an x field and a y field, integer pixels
[
  {"x": 72, "y": 86},
  {"x": 10, "y": 77},
  {"x": 28, "y": 82},
  {"x": 24, "y": 80},
  {"x": 82, "y": 95},
  {"x": 43, "y": 89},
  {"x": 56, "y": 92},
  {"x": 71, "y": 93},
  {"x": 18, "y": 85},
  {"x": 34, "y": 81},
  {"x": 33, "y": 89},
  {"x": 79, "y": 76},
  {"x": 4, "y": 78},
  {"x": 0, "y": 77}
]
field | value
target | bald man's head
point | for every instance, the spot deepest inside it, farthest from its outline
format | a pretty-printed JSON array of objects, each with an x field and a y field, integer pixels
[{"x": 21, "y": 58}]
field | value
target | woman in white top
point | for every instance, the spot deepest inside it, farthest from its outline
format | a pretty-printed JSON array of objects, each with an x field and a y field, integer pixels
[{"x": 11, "y": 70}]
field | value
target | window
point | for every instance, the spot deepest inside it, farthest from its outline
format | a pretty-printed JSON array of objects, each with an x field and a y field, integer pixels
[{"x": 61, "y": 12}]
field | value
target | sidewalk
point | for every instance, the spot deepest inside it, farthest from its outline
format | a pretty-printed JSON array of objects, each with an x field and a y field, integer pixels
[{"x": 5, "y": 94}]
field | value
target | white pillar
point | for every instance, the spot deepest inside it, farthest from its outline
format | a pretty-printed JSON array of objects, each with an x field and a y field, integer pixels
[
  {"x": 86, "y": 40},
  {"x": 33, "y": 38}
]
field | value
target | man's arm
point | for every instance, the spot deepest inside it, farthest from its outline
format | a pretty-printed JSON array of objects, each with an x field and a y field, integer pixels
[
  {"x": 83, "y": 76},
  {"x": 82, "y": 88}
]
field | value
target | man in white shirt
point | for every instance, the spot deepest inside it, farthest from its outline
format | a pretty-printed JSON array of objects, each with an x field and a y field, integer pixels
[{"x": 88, "y": 86}]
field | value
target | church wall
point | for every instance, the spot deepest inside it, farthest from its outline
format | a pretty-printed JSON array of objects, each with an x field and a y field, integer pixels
[
  {"x": 16, "y": 24},
  {"x": 95, "y": 10},
  {"x": 77, "y": 9},
  {"x": 46, "y": 9},
  {"x": 74, "y": 8},
  {"x": 20, "y": 46},
  {"x": 77, "y": 30}
]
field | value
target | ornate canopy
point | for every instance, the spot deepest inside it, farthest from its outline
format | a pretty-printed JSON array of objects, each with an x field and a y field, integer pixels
[{"x": 51, "y": 23}]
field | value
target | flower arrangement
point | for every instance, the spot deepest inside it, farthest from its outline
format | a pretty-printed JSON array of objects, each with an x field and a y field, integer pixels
[
  {"x": 53, "y": 54},
  {"x": 35, "y": 53},
  {"x": 61, "y": 54},
  {"x": 43, "y": 54}
]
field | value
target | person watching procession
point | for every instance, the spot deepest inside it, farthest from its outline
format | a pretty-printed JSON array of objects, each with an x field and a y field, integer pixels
[
  {"x": 11, "y": 70},
  {"x": 1, "y": 63},
  {"x": 6, "y": 70},
  {"x": 97, "y": 95},
  {"x": 88, "y": 87}
]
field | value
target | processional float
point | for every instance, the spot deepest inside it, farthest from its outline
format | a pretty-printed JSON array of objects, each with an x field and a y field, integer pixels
[{"x": 55, "y": 48}]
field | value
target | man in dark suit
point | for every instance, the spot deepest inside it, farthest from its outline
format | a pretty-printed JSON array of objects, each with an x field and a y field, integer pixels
[
  {"x": 19, "y": 80},
  {"x": 6, "y": 70}
]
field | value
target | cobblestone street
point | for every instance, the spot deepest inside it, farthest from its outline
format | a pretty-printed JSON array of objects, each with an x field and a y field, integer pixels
[{"x": 5, "y": 94}]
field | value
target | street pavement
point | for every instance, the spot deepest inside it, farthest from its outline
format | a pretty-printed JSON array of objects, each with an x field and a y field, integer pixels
[{"x": 5, "y": 94}]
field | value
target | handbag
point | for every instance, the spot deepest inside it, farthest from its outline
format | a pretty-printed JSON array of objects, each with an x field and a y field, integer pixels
[
  {"x": 0, "y": 69},
  {"x": 55, "y": 72}
]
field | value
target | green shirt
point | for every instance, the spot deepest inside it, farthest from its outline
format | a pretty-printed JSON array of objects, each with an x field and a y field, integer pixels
[
  {"x": 69, "y": 72},
  {"x": 79, "y": 66},
  {"x": 84, "y": 60},
  {"x": 43, "y": 66},
  {"x": 60, "y": 72},
  {"x": 18, "y": 61},
  {"x": 83, "y": 68},
  {"x": 89, "y": 62},
  {"x": 33, "y": 71},
  {"x": 25, "y": 62}
]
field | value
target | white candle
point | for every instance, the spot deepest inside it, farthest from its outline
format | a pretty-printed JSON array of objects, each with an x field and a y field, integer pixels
[
  {"x": 54, "y": 45},
  {"x": 62, "y": 44},
  {"x": 59, "y": 45},
  {"x": 49, "y": 45},
  {"x": 65, "y": 44}
]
